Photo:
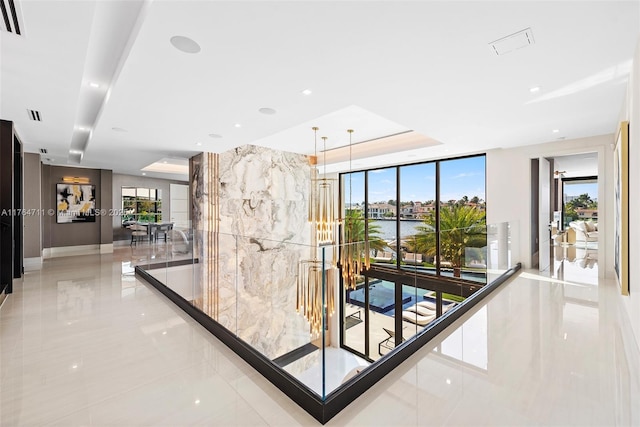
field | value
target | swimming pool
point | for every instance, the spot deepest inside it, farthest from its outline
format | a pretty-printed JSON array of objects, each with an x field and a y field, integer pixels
[{"x": 382, "y": 296}]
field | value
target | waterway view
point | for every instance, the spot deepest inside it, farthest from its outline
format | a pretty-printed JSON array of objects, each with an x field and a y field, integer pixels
[{"x": 388, "y": 228}]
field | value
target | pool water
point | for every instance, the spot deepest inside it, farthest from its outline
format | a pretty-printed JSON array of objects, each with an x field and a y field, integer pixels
[
  {"x": 382, "y": 295},
  {"x": 381, "y": 298}
]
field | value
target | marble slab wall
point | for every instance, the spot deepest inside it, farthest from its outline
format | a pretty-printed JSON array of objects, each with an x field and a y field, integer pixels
[
  {"x": 262, "y": 234},
  {"x": 203, "y": 171}
]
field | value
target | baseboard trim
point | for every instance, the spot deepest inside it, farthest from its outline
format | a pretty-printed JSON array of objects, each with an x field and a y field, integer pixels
[
  {"x": 106, "y": 248},
  {"x": 63, "y": 251},
  {"x": 3, "y": 297},
  {"x": 33, "y": 263}
]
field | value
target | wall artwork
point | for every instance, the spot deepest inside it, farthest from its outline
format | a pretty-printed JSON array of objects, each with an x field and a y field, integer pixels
[
  {"x": 621, "y": 207},
  {"x": 75, "y": 203}
]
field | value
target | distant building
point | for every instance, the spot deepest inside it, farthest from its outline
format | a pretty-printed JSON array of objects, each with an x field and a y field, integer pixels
[
  {"x": 380, "y": 210},
  {"x": 587, "y": 213}
]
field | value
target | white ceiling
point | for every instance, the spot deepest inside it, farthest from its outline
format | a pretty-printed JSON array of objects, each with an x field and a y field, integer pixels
[{"x": 380, "y": 68}]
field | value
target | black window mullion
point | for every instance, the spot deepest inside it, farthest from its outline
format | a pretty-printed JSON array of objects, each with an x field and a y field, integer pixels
[
  {"x": 437, "y": 218},
  {"x": 366, "y": 278},
  {"x": 398, "y": 285}
]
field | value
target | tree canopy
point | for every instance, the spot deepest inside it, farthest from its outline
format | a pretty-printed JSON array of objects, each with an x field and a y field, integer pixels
[
  {"x": 461, "y": 227},
  {"x": 354, "y": 230},
  {"x": 583, "y": 201}
]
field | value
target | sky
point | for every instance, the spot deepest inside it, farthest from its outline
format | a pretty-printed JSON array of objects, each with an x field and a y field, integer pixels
[
  {"x": 591, "y": 189},
  {"x": 459, "y": 177}
]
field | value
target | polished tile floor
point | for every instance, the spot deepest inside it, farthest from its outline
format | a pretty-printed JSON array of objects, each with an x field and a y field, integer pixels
[{"x": 83, "y": 342}]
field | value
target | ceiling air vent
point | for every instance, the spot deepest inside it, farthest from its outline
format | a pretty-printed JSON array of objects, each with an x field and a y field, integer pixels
[
  {"x": 11, "y": 17},
  {"x": 512, "y": 42},
  {"x": 33, "y": 114},
  {"x": 43, "y": 151}
]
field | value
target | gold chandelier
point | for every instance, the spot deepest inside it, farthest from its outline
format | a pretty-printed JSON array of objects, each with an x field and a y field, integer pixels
[
  {"x": 354, "y": 250},
  {"x": 322, "y": 207},
  {"x": 315, "y": 286},
  {"x": 315, "y": 296}
]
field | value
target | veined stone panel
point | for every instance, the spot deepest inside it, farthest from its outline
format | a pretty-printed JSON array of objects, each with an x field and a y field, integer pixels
[
  {"x": 261, "y": 214},
  {"x": 203, "y": 171},
  {"x": 264, "y": 194},
  {"x": 263, "y": 200}
]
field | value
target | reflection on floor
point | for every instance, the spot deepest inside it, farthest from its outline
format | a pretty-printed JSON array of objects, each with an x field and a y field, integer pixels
[
  {"x": 338, "y": 366},
  {"x": 577, "y": 267},
  {"x": 83, "y": 342}
]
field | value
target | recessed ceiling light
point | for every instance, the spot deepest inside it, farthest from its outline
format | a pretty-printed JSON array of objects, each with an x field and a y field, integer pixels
[
  {"x": 164, "y": 161},
  {"x": 72, "y": 151},
  {"x": 534, "y": 89},
  {"x": 307, "y": 92},
  {"x": 198, "y": 143},
  {"x": 185, "y": 44},
  {"x": 82, "y": 128},
  {"x": 117, "y": 129},
  {"x": 144, "y": 173},
  {"x": 215, "y": 135},
  {"x": 555, "y": 130},
  {"x": 266, "y": 110},
  {"x": 94, "y": 85},
  {"x": 238, "y": 125}
]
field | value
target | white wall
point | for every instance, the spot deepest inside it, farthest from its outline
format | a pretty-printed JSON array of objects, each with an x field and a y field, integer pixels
[
  {"x": 509, "y": 187},
  {"x": 631, "y": 112}
]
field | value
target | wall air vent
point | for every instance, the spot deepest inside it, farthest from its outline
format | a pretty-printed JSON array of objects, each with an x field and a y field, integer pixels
[
  {"x": 43, "y": 151},
  {"x": 11, "y": 17},
  {"x": 512, "y": 42},
  {"x": 33, "y": 114}
]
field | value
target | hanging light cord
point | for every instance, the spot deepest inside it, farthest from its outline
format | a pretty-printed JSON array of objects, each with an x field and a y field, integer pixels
[
  {"x": 315, "y": 142},
  {"x": 324, "y": 156},
  {"x": 350, "y": 170}
]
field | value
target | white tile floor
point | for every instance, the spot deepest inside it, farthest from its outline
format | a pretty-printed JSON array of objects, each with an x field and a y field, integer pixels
[{"x": 82, "y": 342}]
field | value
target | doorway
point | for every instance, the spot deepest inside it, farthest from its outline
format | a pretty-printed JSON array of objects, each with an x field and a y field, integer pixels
[{"x": 577, "y": 214}]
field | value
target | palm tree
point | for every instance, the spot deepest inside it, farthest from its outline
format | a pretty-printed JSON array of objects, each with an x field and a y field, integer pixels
[
  {"x": 354, "y": 230},
  {"x": 460, "y": 227}
]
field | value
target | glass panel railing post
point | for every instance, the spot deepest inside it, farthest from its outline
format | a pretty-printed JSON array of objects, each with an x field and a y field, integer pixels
[
  {"x": 195, "y": 268},
  {"x": 324, "y": 323},
  {"x": 503, "y": 245},
  {"x": 236, "y": 279}
]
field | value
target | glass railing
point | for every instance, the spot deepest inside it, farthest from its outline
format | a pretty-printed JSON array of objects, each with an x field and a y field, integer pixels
[
  {"x": 267, "y": 293},
  {"x": 287, "y": 301}
]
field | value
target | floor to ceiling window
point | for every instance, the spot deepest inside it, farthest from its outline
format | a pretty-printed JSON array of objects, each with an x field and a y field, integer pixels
[
  {"x": 422, "y": 222},
  {"x": 141, "y": 205}
]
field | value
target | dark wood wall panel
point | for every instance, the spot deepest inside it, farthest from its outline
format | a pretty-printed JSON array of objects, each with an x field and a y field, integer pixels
[{"x": 6, "y": 206}]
